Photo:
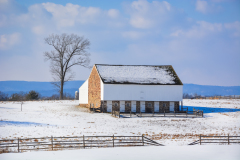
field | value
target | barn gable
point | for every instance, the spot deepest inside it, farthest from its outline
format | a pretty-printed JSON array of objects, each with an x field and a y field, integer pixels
[{"x": 94, "y": 88}]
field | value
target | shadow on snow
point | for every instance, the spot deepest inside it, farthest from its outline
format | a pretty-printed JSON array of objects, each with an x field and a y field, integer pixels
[
  {"x": 212, "y": 110},
  {"x": 22, "y": 123}
]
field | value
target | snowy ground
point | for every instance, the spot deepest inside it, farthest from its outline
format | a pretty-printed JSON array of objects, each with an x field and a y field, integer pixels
[
  {"x": 206, "y": 152},
  {"x": 66, "y": 118}
]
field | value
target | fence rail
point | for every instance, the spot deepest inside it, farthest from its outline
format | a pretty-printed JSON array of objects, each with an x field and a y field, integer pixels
[
  {"x": 216, "y": 139},
  {"x": 82, "y": 142},
  {"x": 158, "y": 114}
]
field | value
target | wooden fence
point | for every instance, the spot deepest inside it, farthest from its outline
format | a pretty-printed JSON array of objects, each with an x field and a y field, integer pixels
[
  {"x": 157, "y": 114},
  {"x": 184, "y": 112},
  {"x": 216, "y": 139},
  {"x": 82, "y": 142}
]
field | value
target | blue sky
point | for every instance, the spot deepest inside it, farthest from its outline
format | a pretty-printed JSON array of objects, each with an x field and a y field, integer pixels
[{"x": 201, "y": 39}]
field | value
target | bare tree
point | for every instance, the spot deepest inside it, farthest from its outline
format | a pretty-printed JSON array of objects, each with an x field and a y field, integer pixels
[{"x": 69, "y": 50}]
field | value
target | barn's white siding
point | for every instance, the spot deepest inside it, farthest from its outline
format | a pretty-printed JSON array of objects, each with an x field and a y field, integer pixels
[
  {"x": 102, "y": 90},
  {"x": 83, "y": 93},
  {"x": 142, "y": 92},
  {"x": 133, "y": 107}
]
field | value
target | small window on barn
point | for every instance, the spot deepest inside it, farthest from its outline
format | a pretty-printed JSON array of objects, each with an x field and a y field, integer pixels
[
  {"x": 149, "y": 104},
  {"x": 128, "y": 104},
  {"x": 164, "y": 105},
  {"x": 115, "y": 104}
]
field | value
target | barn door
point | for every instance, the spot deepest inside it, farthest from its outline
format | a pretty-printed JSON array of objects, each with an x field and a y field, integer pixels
[
  {"x": 109, "y": 106},
  {"x": 156, "y": 106},
  {"x": 142, "y": 106},
  {"x": 171, "y": 106},
  {"x": 133, "y": 106},
  {"x": 122, "y": 106}
]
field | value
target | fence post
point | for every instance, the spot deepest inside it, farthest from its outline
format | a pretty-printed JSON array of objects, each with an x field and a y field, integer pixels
[
  {"x": 130, "y": 114},
  {"x": 182, "y": 105},
  {"x": 113, "y": 140},
  {"x": 142, "y": 140},
  {"x": 228, "y": 139},
  {"x": 18, "y": 144},
  {"x": 202, "y": 113},
  {"x": 164, "y": 112},
  {"x": 52, "y": 141},
  {"x": 200, "y": 139},
  {"x": 174, "y": 114},
  {"x": 83, "y": 142}
]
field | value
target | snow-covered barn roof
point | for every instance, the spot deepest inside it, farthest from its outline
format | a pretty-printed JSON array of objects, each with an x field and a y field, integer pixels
[{"x": 138, "y": 74}]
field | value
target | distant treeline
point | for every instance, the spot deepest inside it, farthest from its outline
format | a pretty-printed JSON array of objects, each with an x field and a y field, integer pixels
[
  {"x": 34, "y": 95},
  {"x": 197, "y": 96},
  {"x": 31, "y": 95}
]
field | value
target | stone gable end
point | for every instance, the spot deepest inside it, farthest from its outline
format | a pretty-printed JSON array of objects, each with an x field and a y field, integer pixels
[{"x": 94, "y": 89}]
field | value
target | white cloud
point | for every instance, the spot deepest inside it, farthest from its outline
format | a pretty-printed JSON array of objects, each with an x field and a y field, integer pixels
[
  {"x": 207, "y": 7},
  {"x": 200, "y": 30},
  {"x": 202, "y": 6},
  {"x": 64, "y": 15},
  {"x": 69, "y": 15},
  {"x": 144, "y": 14},
  {"x": 113, "y": 13},
  {"x": 38, "y": 30},
  {"x": 7, "y": 41},
  {"x": 235, "y": 27},
  {"x": 3, "y": 2}
]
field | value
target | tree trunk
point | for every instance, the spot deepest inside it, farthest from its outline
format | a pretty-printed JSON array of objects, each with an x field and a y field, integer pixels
[{"x": 61, "y": 89}]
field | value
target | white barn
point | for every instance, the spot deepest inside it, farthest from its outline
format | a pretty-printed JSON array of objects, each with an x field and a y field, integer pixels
[{"x": 135, "y": 88}]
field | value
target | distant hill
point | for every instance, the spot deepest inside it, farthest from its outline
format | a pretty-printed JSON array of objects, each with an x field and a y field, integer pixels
[
  {"x": 208, "y": 90},
  {"x": 44, "y": 88},
  {"x": 47, "y": 89}
]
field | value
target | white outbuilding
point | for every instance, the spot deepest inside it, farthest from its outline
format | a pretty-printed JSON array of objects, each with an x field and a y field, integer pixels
[{"x": 135, "y": 88}]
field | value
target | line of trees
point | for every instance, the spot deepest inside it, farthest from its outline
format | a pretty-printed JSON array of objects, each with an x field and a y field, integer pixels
[
  {"x": 195, "y": 95},
  {"x": 191, "y": 96},
  {"x": 32, "y": 95}
]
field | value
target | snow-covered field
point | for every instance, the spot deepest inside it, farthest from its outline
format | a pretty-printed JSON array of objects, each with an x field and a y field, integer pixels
[{"x": 66, "y": 118}]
